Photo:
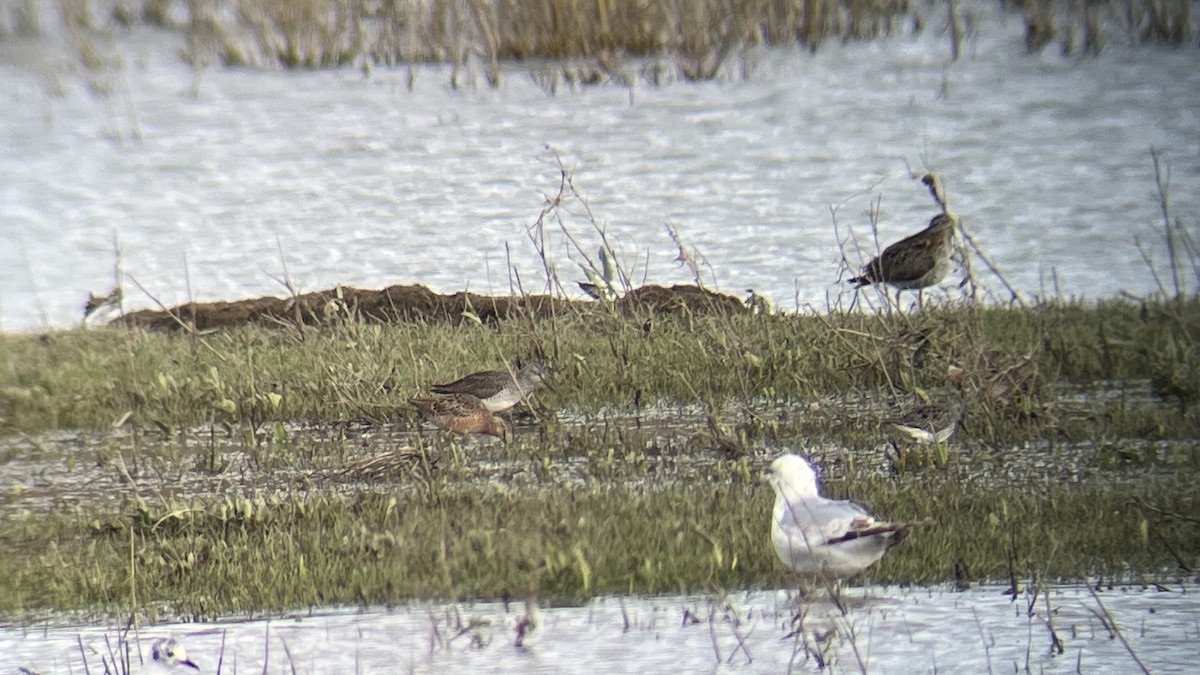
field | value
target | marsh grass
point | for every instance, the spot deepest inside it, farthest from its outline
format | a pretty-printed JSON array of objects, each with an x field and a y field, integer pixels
[
  {"x": 595, "y": 41},
  {"x": 294, "y": 522},
  {"x": 286, "y": 521},
  {"x": 251, "y": 378},
  {"x": 214, "y": 555},
  {"x": 1167, "y": 22}
]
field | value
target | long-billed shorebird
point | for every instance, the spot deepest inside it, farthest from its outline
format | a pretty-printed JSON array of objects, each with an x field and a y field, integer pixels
[
  {"x": 823, "y": 538},
  {"x": 915, "y": 262},
  {"x": 461, "y": 413},
  {"x": 498, "y": 389}
]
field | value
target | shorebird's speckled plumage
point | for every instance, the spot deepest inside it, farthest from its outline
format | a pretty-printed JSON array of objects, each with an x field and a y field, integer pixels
[
  {"x": 915, "y": 262},
  {"x": 498, "y": 389},
  {"x": 460, "y": 413},
  {"x": 168, "y": 653},
  {"x": 819, "y": 537},
  {"x": 933, "y": 423}
]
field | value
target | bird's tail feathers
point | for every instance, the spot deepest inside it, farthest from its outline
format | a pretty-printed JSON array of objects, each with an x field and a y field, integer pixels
[{"x": 895, "y": 532}]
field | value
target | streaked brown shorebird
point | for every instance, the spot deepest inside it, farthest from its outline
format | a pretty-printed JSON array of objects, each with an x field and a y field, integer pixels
[
  {"x": 498, "y": 389},
  {"x": 915, "y": 262},
  {"x": 932, "y": 423},
  {"x": 461, "y": 413}
]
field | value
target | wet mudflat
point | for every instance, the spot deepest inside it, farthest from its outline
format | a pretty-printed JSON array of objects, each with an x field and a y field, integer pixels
[{"x": 659, "y": 447}]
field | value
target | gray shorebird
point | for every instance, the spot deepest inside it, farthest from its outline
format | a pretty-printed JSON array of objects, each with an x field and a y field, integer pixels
[
  {"x": 461, "y": 413},
  {"x": 498, "y": 389},
  {"x": 929, "y": 424},
  {"x": 823, "y": 538},
  {"x": 915, "y": 262},
  {"x": 167, "y": 653}
]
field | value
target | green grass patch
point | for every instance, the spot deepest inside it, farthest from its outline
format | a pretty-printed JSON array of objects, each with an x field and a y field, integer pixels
[
  {"x": 217, "y": 555},
  {"x": 251, "y": 377},
  {"x": 1078, "y": 458}
]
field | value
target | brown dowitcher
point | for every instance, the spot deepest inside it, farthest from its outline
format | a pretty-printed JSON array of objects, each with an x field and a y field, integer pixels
[
  {"x": 498, "y": 389},
  {"x": 915, "y": 262},
  {"x": 819, "y": 537},
  {"x": 460, "y": 413}
]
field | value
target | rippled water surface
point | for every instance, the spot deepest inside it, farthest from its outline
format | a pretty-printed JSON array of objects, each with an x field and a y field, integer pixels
[
  {"x": 883, "y": 630},
  {"x": 355, "y": 179}
]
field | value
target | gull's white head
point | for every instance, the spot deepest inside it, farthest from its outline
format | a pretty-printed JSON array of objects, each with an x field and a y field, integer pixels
[
  {"x": 792, "y": 476},
  {"x": 169, "y": 653}
]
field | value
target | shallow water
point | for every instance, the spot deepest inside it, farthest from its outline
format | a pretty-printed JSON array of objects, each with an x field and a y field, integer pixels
[
  {"x": 357, "y": 180},
  {"x": 93, "y": 470},
  {"x": 883, "y": 630}
]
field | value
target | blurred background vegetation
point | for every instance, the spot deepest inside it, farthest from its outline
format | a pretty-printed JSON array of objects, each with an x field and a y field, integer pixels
[{"x": 595, "y": 39}]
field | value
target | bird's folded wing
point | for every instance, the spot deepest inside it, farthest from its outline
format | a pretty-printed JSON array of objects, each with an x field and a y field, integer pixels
[
  {"x": 483, "y": 385},
  {"x": 921, "y": 418},
  {"x": 822, "y": 521},
  {"x": 868, "y": 528}
]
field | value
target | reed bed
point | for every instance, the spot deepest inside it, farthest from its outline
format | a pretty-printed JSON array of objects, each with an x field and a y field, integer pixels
[{"x": 590, "y": 42}]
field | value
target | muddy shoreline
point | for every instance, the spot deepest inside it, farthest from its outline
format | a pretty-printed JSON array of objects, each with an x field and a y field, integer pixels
[{"x": 416, "y": 303}]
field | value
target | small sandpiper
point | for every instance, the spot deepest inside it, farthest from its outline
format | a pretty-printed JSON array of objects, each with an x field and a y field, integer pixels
[
  {"x": 498, "y": 389},
  {"x": 461, "y": 413},
  {"x": 915, "y": 262},
  {"x": 929, "y": 424},
  {"x": 166, "y": 653}
]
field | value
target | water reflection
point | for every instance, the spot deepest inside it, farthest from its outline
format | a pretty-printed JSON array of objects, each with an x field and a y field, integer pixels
[{"x": 882, "y": 630}]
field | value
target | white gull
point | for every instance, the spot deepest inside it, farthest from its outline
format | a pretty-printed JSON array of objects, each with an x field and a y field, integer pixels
[{"x": 819, "y": 537}]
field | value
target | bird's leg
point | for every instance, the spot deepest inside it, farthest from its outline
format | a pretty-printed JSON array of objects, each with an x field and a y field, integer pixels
[
  {"x": 941, "y": 451},
  {"x": 898, "y": 456},
  {"x": 835, "y": 596}
]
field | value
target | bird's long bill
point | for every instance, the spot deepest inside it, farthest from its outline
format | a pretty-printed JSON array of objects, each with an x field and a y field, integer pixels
[{"x": 189, "y": 663}]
